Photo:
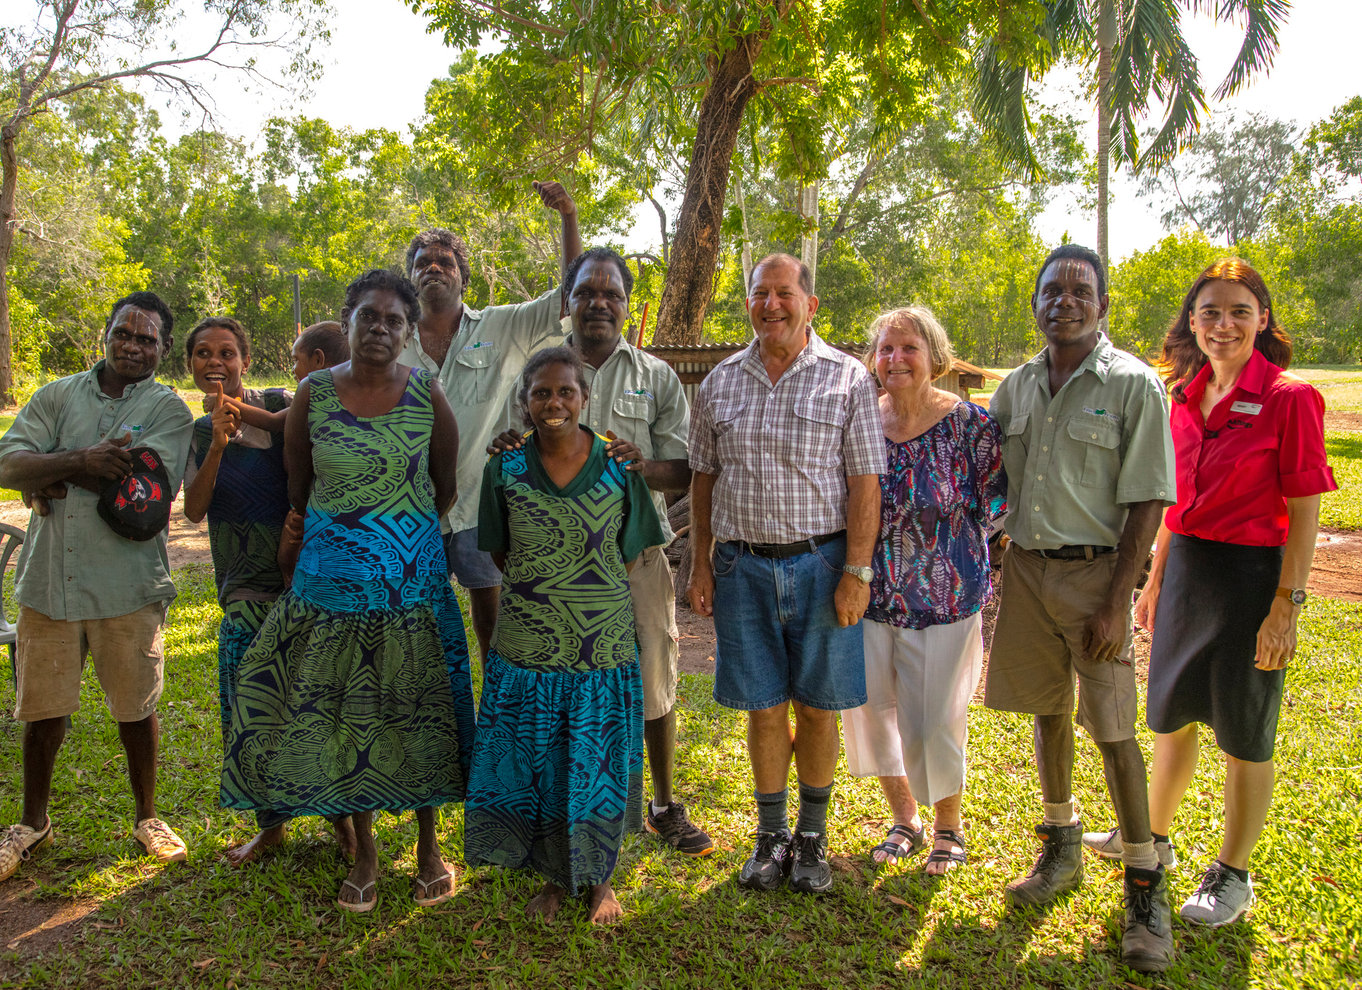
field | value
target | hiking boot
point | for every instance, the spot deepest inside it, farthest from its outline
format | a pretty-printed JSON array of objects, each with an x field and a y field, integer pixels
[
  {"x": 678, "y": 831},
  {"x": 1108, "y": 845},
  {"x": 1147, "y": 943},
  {"x": 811, "y": 873},
  {"x": 769, "y": 863},
  {"x": 160, "y": 841},
  {"x": 19, "y": 843},
  {"x": 1058, "y": 869},
  {"x": 1221, "y": 898}
]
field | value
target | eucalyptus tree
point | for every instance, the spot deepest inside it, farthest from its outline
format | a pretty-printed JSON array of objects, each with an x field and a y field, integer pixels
[
  {"x": 69, "y": 47},
  {"x": 690, "y": 70}
]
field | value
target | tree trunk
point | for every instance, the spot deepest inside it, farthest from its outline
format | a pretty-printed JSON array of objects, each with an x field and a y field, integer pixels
[
  {"x": 8, "y": 186},
  {"x": 746, "y": 234},
  {"x": 695, "y": 249},
  {"x": 808, "y": 244},
  {"x": 1106, "y": 41}
]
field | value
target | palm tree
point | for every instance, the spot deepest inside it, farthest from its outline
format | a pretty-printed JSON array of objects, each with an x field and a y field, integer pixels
[{"x": 1142, "y": 57}]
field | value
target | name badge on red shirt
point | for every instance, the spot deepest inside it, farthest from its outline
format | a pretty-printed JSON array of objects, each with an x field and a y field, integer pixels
[{"x": 1247, "y": 408}]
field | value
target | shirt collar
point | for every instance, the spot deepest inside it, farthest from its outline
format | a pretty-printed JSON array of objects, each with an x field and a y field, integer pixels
[
  {"x": 1099, "y": 360},
  {"x": 92, "y": 376},
  {"x": 815, "y": 349}
]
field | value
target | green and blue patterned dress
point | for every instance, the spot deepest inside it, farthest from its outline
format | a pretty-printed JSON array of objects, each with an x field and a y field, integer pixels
[
  {"x": 356, "y": 694},
  {"x": 557, "y": 776}
]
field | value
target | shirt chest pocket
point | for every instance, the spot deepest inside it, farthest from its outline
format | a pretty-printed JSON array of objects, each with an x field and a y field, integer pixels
[
  {"x": 1095, "y": 460},
  {"x": 820, "y": 420},
  {"x": 728, "y": 413},
  {"x": 634, "y": 413},
  {"x": 478, "y": 367}
]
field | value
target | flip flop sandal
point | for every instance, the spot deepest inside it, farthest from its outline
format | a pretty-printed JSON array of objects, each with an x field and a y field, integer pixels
[
  {"x": 909, "y": 841},
  {"x": 953, "y": 857},
  {"x": 425, "y": 885},
  {"x": 360, "y": 906}
]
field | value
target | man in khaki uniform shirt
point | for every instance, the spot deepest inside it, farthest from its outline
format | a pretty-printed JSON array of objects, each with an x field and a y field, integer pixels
[
  {"x": 477, "y": 357},
  {"x": 83, "y": 589},
  {"x": 1089, "y": 461}
]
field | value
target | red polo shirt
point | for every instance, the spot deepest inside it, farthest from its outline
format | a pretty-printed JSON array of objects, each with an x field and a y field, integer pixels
[{"x": 1263, "y": 444}]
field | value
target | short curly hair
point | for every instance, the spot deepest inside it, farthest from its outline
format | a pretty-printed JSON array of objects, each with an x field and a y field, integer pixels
[
  {"x": 597, "y": 254},
  {"x": 445, "y": 238},
  {"x": 148, "y": 302},
  {"x": 384, "y": 280}
]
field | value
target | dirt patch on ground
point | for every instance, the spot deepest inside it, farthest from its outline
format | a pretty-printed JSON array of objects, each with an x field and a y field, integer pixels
[
  {"x": 30, "y": 927},
  {"x": 1337, "y": 570},
  {"x": 1342, "y": 420},
  {"x": 188, "y": 541}
]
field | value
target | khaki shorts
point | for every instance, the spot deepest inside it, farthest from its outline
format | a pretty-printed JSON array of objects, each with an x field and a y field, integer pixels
[
  {"x": 650, "y": 587},
  {"x": 1038, "y": 645},
  {"x": 125, "y": 650}
]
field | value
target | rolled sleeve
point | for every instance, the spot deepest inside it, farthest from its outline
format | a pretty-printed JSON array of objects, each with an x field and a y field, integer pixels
[
  {"x": 1302, "y": 466},
  {"x": 669, "y": 431}
]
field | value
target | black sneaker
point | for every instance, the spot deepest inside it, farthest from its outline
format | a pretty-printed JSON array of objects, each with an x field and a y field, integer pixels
[
  {"x": 1058, "y": 869},
  {"x": 769, "y": 863},
  {"x": 1147, "y": 941},
  {"x": 678, "y": 831},
  {"x": 811, "y": 873}
]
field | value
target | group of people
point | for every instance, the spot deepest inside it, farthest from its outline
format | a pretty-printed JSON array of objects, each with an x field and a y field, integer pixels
[{"x": 524, "y": 451}]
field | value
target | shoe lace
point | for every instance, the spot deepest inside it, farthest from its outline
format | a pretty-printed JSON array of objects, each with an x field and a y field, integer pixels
[
  {"x": 766, "y": 844},
  {"x": 809, "y": 852},
  {"x": 157, "y": 831},
  {"x": 1213, "y": 882},
  {"x": 1140, "y": 897}
]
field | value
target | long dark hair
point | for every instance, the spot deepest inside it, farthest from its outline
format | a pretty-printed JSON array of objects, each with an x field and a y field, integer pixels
[{"x": 1182, "y": 358}]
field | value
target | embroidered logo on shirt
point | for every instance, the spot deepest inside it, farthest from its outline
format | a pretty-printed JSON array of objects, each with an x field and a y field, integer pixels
[
  {"x": 1247, "y": 408},
  {"x": 481, "y": 343},
  {"x": 1103, "y": 413}
]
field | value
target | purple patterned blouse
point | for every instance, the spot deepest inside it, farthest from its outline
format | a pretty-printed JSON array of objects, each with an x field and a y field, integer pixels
[{"x": 940, "y": 493}]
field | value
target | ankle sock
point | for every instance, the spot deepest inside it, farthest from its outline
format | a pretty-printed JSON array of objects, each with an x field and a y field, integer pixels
[
  {"x": 1060, "y": 812},
  {"x": 1159, "y": 838},
  {"x": 813, "y": 808},
  {"x": 1140, "y": 855},
  {"x": 1241, "y": 874},
  {"x": 656, "y": 808},
  {"x": 772, "y": 814}
]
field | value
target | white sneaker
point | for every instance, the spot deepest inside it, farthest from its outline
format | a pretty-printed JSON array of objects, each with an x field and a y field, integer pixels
[
  {"x": 160, "y": 841},
  {"x": 19, "y": 843},
  {"x": 1108, "y": 846},
  {"x": 1221, "y": 898}
]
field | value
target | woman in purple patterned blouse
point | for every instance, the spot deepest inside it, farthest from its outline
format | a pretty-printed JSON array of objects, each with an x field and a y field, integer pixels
[{"x": 923, "y": 649}]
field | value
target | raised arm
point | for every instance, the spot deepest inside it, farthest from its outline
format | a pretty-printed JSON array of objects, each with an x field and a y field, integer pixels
[
  {"x": 555, "y": 197},
  {"x": 198, "y": 494}
]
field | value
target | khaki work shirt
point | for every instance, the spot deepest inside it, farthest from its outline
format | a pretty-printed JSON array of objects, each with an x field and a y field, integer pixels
[
  {"x": 1077, "y": 460},
  {"x": 73, "y": 567},
  {"x": 480, "y": 376},
  {"x": 639, "y": 398}
]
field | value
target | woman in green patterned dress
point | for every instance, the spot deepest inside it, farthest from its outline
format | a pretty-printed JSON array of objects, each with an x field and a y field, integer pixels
[
  {"x": 356, "y": 695},
  {"x": 557, "y": 777}
]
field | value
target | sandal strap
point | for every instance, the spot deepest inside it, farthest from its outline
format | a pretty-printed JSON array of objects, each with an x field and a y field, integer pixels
[{"x": 948, "y": 835}]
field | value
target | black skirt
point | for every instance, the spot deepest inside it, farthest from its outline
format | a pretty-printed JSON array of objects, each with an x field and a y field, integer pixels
[{"x": 1213, "y": 599}]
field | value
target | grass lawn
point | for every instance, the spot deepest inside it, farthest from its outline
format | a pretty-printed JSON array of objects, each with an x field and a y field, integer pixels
[{"x": 205, "y": 924}]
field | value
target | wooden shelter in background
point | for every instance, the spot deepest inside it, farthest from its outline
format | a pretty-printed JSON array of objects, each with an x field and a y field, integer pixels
[{"x": 693, "y": 363}]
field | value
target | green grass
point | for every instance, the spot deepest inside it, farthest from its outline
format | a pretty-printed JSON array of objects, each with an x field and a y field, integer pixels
[
  {"x": 1341, "y": 385},
  {"x": 1342, "y": 509},
  {"x": 205, "y": 924}
]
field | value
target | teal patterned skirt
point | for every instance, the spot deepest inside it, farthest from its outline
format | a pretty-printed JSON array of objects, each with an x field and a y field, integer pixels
[
  {"x": 337, "y": 712},
  {"x": 557, "y": 778}
]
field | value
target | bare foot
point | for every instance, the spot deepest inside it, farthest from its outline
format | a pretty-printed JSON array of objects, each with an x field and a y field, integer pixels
[
  {"x": 546, "y": 903},
  {"x": 345, "y": 837},
  {"x": 602, "y": 907},
  {"x": 247, "y": 852},
  {"x": 359, "y": 886}
]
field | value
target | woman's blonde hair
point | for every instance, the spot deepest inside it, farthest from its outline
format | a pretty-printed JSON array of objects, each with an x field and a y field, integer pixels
[{"x": 924, "y": 323}]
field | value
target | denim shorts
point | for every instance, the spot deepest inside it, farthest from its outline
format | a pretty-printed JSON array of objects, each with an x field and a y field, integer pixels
[
  {"x": 777, "y": 631},
  {"x": 471, "y": 567}
]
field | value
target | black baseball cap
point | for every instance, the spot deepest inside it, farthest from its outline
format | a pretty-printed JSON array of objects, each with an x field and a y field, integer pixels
[{"x": 138, "y": 507}]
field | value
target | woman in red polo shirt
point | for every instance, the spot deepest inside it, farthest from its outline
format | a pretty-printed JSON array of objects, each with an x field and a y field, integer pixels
[{"x": 1233, "y": 557}]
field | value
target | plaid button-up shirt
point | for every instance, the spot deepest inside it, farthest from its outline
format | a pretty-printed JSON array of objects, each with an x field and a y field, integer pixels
[{"x": 783, "y": 452}]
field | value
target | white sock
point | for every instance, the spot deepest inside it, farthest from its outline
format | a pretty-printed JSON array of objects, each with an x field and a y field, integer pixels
[
  {"x": 1060, "y": 812},
  {"x": 658, "y": 808},
  {"x": 1140, "y": 855}
]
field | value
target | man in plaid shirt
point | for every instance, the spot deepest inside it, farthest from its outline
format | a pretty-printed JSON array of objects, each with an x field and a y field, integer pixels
[{"x": 786, "y": 449}]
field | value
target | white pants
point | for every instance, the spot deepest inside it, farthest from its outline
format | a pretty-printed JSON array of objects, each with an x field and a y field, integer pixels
[{"x": 919, "y": 683}]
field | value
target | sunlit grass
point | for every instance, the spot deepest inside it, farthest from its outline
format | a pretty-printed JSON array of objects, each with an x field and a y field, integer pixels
[{"x": 686, "y": 923}]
